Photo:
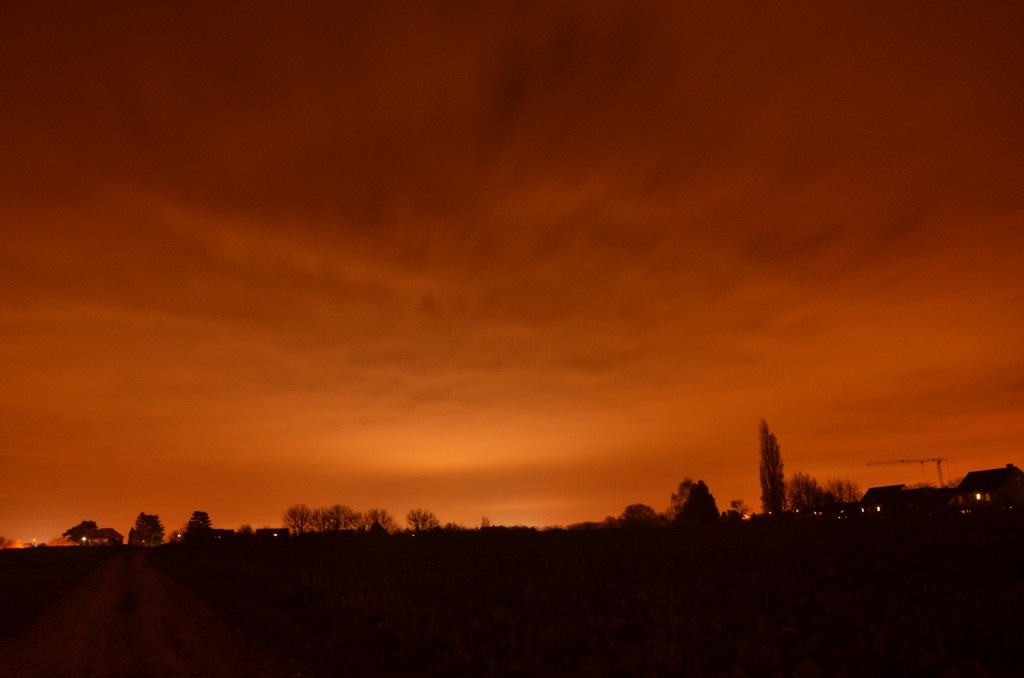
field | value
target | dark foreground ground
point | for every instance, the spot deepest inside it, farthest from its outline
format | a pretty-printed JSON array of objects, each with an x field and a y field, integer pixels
[
  {"x": 33, "y": 579},
  {"x": 805, "y": 598},
  {"x": 127, "y": 619}
]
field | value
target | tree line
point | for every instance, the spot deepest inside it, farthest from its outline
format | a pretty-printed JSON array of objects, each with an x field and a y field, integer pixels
[
  {"x": 801, "y": 493},
  {"x": 691, "y": 503},
  {"x": 300, "y": 519}
]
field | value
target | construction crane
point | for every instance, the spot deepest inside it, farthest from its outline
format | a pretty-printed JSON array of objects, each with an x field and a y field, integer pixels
[{"x": 938, "y": 464}]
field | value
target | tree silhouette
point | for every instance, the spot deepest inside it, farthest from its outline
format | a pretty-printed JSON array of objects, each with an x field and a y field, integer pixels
[
  {"x": 638, "y": 515},
  {"x": 335, "y": 519},
  {"x": 773, "y": 482},
  {"x": 420, "y": 520},
  {"x": 148, "y": 531},
  {"x": 679, "y": 498},
  {"x": 842, "y": 490},
  {"x": 199, "y": 526},
  {"x": 379, "y": 521},
  {"x": 343, "y": 517},
  {"x": 298, "y": 518},
  {"x": 700, "y": 506},
  {"x": 738, "y": 510},
  {"x": 82, "y": 532},
  {"x": 320, "y": 520},
  {"x": 803, "y": 493}
]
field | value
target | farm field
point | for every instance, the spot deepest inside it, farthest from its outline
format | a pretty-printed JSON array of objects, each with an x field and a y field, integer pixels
[
  {"x": 32, "y": 579},
  {"x": 854, "y": 598}
]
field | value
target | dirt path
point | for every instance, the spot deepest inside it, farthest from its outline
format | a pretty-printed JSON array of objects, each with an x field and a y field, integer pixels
[{"x": 129, "y": 619}]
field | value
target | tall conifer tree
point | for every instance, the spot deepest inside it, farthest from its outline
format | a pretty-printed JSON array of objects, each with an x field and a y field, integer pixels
[{"x": 773, "y": 482}]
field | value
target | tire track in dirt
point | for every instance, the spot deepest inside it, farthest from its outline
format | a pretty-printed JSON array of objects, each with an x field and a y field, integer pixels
[{"x": 128, "y": 619}]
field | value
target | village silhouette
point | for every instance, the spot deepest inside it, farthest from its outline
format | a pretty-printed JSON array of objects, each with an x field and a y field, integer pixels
[
  {"x": 824, "y": 580},
  {"x": 801, "y": 496}
]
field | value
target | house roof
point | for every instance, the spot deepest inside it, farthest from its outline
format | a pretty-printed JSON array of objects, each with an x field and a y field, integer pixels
[
  {"x": 107, "y": 533},
  {"x": 886, "y": 494},
  {"x": 986, "y": 481}
]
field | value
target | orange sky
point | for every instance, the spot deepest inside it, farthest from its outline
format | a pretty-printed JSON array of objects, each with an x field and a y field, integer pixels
[{"x": 534, "y": 262}]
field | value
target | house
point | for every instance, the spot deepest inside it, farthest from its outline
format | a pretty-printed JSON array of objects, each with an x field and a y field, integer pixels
[
  {"x": 878, "y": 499},
  {"x": 105, "y": 536},
  {"x": 922, "y": 500},
  {"x": 992, "y": 488}
]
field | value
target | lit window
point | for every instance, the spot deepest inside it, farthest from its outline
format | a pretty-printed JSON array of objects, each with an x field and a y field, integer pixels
[
  {"x": 878, "y": 508},
  {"x": 978, "y": 496}
]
